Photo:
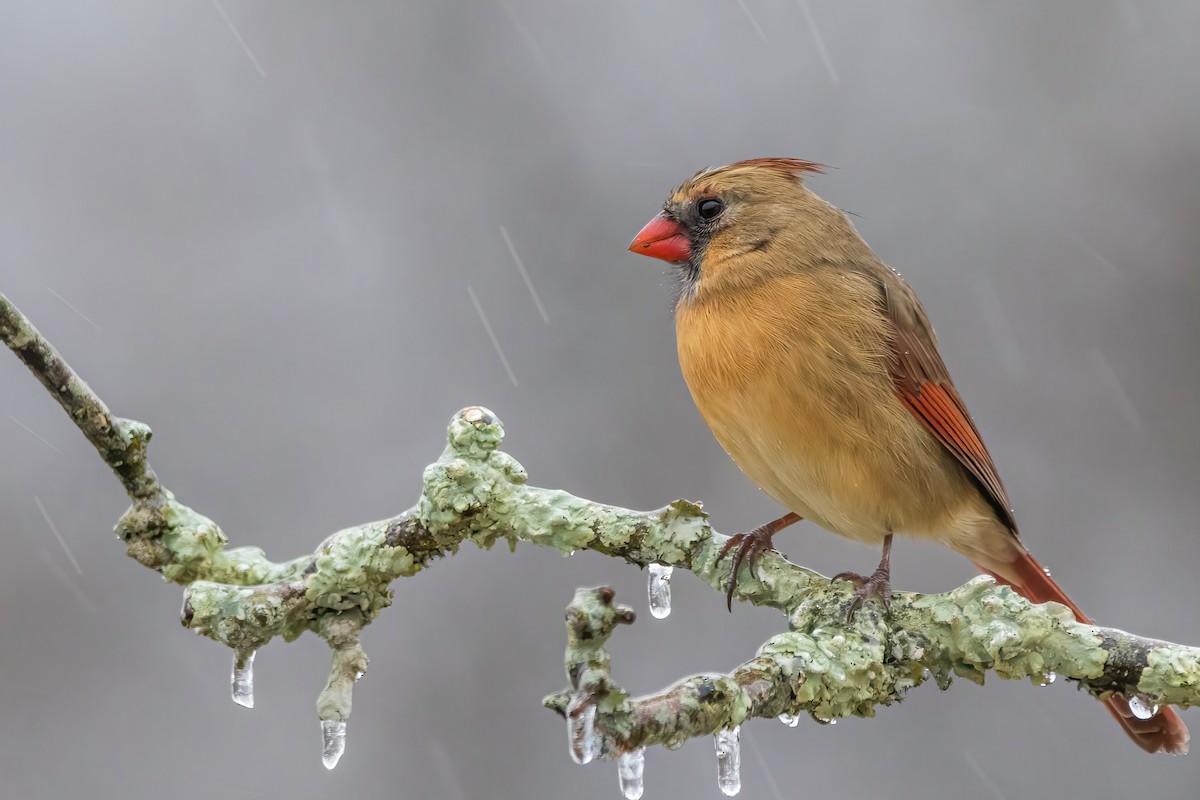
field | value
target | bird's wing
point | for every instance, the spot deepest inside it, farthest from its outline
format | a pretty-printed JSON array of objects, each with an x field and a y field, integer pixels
[{"x": 923, "y": 384}]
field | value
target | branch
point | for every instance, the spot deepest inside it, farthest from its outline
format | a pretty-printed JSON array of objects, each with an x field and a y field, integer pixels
[
  {"x": 822, "y": 665},
  {"x": 828, "y": 669},
  {"x": 120, "y": 442}
]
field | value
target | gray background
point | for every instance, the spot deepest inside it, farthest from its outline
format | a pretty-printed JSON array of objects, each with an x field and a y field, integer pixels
[{"x": 263, "y": 251}]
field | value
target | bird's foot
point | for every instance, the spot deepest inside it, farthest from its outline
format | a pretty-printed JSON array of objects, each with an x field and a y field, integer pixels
[
  {"x": 752, "y": 545},
  {"x": 876, "y": 585}
]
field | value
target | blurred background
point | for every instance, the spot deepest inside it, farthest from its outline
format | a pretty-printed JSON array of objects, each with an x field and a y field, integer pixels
[{"x": 291, "y": 237}]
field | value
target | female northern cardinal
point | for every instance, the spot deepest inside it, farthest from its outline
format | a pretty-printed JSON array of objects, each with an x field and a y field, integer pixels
[{"x": 818, "y": 372}]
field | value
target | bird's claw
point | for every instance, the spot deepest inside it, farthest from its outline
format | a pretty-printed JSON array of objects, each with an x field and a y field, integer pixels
[
  {"x": 878, "y": 584},
  {"x": 745, "y": 545}
]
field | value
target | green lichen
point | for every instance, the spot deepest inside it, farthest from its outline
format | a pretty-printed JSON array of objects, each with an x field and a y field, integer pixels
[
  {"x": 1171, "y": 674},
  {"x": 981, "y": 627},
  {"x": 836, "y": 672},
  {"x": 245, "y": 617},
  {"x": 186, "y": 546},
  {"x": 349, "y": 664},
  {"x": 354, "y": 568},
  {"x": 478, "y": 493}
]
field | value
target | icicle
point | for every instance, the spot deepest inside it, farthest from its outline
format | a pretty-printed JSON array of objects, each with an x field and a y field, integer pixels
[
  {"x": 660, "y": 590},
  {"x": 581, "y": 731},
  {"x": 729, "y": 760},
  {"x": 1141, "y": 707},
  {"x": 791, "y": 720},
  {"x": 630, "y": 766},
  {"x": 241, "y": 682},
  {"x": 333, "y": 732}
]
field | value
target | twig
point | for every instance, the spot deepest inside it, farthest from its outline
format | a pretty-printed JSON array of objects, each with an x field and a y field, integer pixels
[{"x": 120, "y": 442}]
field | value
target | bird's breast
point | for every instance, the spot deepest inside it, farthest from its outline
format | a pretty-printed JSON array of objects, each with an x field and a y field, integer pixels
[{"x": 792, "y": 378}]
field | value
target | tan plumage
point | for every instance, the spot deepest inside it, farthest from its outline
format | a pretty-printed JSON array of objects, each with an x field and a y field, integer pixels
[
  {"x": 792, "y": 375},
  {"x": 817, "y": 369}
]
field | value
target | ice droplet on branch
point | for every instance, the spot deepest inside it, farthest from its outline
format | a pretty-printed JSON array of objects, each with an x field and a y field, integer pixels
[
  {"x": 1141, "y": 707},
  {"x": 581, "y": 731},
  {"x": 729, "y": 759},
  {"x": 241, "y": 682},
  {"x": 333, "y": 734},
  {"x": 659, "y": 589},
  {"x": 791, "y": 720},
  {"x": 630, "y": 766}
]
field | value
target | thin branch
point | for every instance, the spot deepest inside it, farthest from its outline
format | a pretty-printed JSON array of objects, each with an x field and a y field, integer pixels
[
  {"x": 120, "y": 442},
  {"x": 822, "y": 665}
]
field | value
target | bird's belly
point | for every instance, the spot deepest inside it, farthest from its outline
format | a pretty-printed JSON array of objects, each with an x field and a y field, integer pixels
[{"x": 852, "y": 459}]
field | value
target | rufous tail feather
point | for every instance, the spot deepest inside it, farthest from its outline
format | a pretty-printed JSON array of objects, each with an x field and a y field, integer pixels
[{"x": 1164, "y": 731}]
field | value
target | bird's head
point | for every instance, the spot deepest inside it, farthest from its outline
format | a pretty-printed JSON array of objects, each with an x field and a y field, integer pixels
[{"x": 725, "y": 225}]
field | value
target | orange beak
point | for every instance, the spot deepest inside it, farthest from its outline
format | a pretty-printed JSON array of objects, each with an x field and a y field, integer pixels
[{"x": 662, "y": 238}]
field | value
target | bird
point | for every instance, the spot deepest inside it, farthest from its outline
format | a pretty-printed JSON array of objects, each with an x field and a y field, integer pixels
[{"x": 818, "y": 371}]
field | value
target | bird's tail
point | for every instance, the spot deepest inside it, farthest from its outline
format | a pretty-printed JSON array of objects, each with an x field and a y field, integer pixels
[{"x": 1163, "y": 731}]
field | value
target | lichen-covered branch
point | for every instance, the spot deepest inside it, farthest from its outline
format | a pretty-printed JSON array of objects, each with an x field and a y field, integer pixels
[
  {"x": 120, "y": 442},
  {"x": 828, "y": 668},
  {"x": 822, "y": 665}
]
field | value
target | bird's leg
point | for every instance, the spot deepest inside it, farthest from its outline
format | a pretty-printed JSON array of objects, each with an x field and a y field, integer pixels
[
  {"x": 751, "y": 545},
  {"x": 878, "y": 584}
]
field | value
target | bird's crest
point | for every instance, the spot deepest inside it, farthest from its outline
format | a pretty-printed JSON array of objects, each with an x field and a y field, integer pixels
[{"x": 793, "y": 168}]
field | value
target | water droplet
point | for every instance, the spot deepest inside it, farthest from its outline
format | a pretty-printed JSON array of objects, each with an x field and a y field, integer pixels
[
  {"x": 241, "y": 682},
  {"x": 1049, "y": 678},
  {"x": 630, "y": 766},
  {"x": 1141, "y": 707},
  {"x": 581, "y": 730},
  {"x": 729, "y": 760},
  {"x": 1047, "y": 571},
  {"x": 791, "y": 720},
  {"x": 659, "y": 589},
  {"x": 333, "y": 734}
]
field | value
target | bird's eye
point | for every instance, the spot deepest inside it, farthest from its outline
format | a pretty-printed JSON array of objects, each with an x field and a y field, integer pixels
[{"x": 710, "y": 208}]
